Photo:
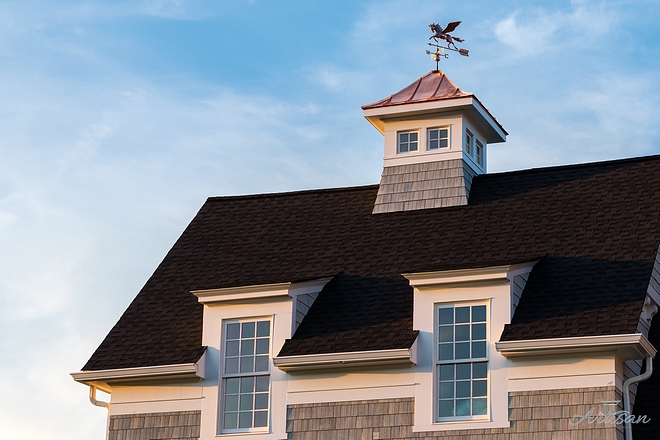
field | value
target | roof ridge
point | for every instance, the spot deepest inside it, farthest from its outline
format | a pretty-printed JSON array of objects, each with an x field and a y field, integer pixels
[
  {"x": 294, "y": 193},
  {"x": 630, "y": 160}
]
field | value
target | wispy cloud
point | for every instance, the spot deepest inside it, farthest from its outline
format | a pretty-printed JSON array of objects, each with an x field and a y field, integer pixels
[{"x": 533, "y": 31}]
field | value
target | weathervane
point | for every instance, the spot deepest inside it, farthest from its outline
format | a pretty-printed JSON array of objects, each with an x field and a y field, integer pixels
[{"x": 443, "y": 34}]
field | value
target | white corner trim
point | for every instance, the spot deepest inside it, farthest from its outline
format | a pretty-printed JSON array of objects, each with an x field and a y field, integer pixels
[
  {"x": 242, "y": 293},
  {"x": 161, "y": 372},
  {"x": 404, "y": 356},
  {"x": 631, "y": 346}
]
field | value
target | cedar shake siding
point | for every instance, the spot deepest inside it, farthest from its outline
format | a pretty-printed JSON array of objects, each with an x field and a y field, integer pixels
[
  {"x": 537, "y": 415},
  {"x": 181, "y": 425}
]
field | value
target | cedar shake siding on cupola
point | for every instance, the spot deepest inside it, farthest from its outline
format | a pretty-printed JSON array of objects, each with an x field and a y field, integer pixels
[
  {"x": 424, "y": 185},
  {"x": 591, "y": 220}
]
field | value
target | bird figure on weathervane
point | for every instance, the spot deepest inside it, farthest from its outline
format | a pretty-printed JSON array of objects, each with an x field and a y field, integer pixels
[{"x": 443, "y": 34}]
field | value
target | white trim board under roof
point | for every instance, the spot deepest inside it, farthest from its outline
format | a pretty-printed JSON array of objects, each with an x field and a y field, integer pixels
[
  {"x": 403, "y": 356},
  {"x": 259, "y": 291},
  {"x": 631, "y": 346},
  {"x": 104, "y": 379}
]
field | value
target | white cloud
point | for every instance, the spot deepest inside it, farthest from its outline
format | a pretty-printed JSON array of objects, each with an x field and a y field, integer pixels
[{"x": 531, "y": 32}]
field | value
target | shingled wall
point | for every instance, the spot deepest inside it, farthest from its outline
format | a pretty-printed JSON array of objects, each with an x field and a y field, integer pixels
[
  {"x": 180, "y": 425},
  {"x": 538, "y": 415},
  {"x": 424, "y": 185}
]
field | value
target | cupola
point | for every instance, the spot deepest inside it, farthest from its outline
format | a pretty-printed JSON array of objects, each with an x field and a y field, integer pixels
[{"x": 436, "y": 139}]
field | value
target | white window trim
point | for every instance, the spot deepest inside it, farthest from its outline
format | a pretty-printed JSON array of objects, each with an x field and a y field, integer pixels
[
  {"x": 428, "y": 138},
  {"x": 438, "y": 362},
  {"x": 223, "y": 375},
  {"x": 419, "y": 139}
]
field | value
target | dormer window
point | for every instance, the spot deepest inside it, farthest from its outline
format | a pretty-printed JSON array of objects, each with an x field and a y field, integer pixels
[
  {"x": 407, "y": 141},
  {"x": 469, "y": 139},
  {"x": 438, "y": 138},
  {"x": 480, "y": 153}
]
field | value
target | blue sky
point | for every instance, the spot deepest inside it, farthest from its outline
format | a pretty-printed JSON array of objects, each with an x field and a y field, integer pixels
[{"x": 118, "y": 119}]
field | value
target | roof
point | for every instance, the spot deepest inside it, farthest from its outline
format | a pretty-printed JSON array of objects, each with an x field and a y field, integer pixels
[
  {"x": 433, "y": 86},
  {"x": 597, "y": 223}
]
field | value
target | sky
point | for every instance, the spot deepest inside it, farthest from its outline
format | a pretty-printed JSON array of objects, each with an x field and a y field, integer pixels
[{"x": 119, "y": 118}]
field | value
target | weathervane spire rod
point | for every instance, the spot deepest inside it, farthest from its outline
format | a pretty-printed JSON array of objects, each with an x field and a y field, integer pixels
[{"x": 450, "y": 42}]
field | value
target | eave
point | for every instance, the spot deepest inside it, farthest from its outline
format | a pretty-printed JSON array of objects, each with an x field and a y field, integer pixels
[
  {"x": 630, "y": 346},
  {"x": 395, "y": 357},
  {"x": 105, "y": 379}
]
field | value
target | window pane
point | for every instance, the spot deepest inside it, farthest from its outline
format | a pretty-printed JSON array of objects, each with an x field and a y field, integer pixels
[
  {"x": 433, "y": 134},
  {"x": 231, "y": 386},
  {"x": 232, "y": 348},
  {"x": 479, "y": 407},
  {"x": 479, "y": 388},
  {"x": 480, "y": 370},
  {"x": 233, "y": 331},
  {"x": 261, "y": 401},
  {"x": 446, "y": 352},
  {"x": 260, "y": 419},
  {"x": 231, "y": 366},
  {"x": 462, "y": 407},
  {"x": 262, "y": 346},
  {"x": 403, "y": 137},
  {"x": 413, "y": 137},
  {"x": 446, "y": 390},
  {"x": 463, "y": 371},
  {"x": 245, "y": 420},
  {"x": 462, "y": 315},
  {"x": 230, "y": 421},
  {"x": 478, "y": 331},
  {"x": 444, "y": 133},
  {"x": 463, "y": 350},
  {"x": 413, "y": 146},
  {"x": 443, "y": 143},
  {"x": 247, "y": 330},
  {"x": 262, "y": 383},
  {"x": 433, "y": 145},
  {"x": 446, "y": 334},
  {"x": 446, "y": 372},
  {"x": 463, "y": 332},
  {"x": 263, "y": 328},
  {"x": 478, "y": 313},
  {"x": 478, "y": 349},
  {"x": 247, "y": 347},
  {"x": 247, "y": 364},
  {"x": 247, "y": 384},
  {"x": 246, "y": 402},
  {"x": 446, "y": 316},
  {"x": 446, "y": 408},
  {"x": 463, "y": 389},
  {"x": 261, "y": 363},
  {"x": 231, "y": 403}
]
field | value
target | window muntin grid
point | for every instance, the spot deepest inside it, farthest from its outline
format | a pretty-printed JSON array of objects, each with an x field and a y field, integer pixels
[
  {"x": 469, "y": 139},
  {"x": 246, "y": 379},
  {"x": 462, "y": 362},
  {"x": 479, "y": 153},
  {"x": 437, "y": 138},
  {"x": 407, "y": 141}
]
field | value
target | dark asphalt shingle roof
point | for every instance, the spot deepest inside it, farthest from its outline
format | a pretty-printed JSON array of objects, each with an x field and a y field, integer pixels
[{"x": 588, "y": 217}]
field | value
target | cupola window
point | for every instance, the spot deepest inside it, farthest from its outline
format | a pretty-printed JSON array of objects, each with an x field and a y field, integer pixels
[
  {"x": 438, "y": 138},
  {"x": 407, "y": 141}
]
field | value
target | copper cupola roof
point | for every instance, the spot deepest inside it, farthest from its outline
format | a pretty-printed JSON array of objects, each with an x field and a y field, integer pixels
[{"x": 433, "y": 86}]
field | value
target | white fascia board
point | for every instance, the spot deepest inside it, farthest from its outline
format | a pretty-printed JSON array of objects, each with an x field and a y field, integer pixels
[
  {"x": 630, "y": 346},
  {"x": 429, "y": 279},
  {"x": 469, "y": 104},
  {"x": 377, "y": 115},
  {"x": 104, "y": 378},
  {"x": 402, "y": 356},
  {"x": 242, "y": 293}
]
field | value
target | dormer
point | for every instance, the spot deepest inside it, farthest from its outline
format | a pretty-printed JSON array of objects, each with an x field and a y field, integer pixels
[{"x": 436, "y": 139}]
